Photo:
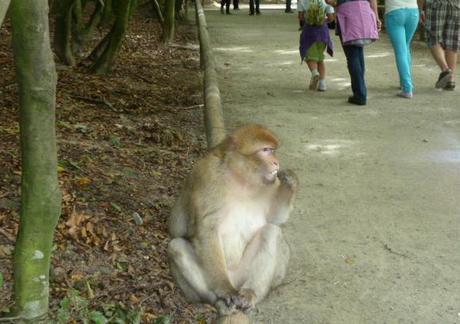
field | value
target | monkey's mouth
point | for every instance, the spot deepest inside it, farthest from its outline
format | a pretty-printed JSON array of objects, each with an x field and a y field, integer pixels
[{"x": 270, "y": 177}]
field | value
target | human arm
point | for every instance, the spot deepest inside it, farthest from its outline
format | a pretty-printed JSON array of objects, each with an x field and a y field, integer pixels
[
  {"x": 374, "y": 8},
  {"x": 332, "y": 3},
  {"x": 421, "y": 8},
  {"x": 301, "y": 17}
]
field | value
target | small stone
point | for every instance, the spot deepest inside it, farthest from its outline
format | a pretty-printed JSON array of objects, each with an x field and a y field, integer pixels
[{"x": 138, "y": 219}]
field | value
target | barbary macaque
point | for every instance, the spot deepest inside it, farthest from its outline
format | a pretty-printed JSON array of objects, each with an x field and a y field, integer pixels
[{"x": 227, "y": 247}]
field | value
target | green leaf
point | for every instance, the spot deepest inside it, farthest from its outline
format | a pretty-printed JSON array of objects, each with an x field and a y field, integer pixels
[
  {"x": 115, "y": 206},
  {"x": 97, "y": 317},
  {"x": 166, "y": 319},
  {"x": 1, "y": 280},
  {"x": 65, "y": 303}
]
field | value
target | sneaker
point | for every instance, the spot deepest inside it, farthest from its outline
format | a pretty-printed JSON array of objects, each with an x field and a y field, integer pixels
[
  {"x": 322, "y": 85},
  {"x": 356, "y": 101},
  {"x": 257, "y": 12},
  {"x": 407, "y": 95},
  {"x": 450, "y": 86},
  {"x": 444, "y": 78},
  {"x": 314, "y": 82}
]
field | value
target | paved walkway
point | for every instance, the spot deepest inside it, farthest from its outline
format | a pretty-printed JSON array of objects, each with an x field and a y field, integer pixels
[{"x": 375, "y": 235}]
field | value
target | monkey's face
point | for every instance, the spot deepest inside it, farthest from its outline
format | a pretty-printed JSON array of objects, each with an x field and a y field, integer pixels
[{"x": 268, "y": 164}]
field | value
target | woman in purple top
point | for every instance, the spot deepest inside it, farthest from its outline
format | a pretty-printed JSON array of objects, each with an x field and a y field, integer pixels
[{"x": 353, "y": 50}]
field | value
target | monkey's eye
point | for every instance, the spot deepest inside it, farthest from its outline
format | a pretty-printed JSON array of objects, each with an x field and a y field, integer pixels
[{"x": 268, "y": 150}]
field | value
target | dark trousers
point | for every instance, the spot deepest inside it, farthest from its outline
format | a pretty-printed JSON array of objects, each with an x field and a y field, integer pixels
[
  {"x": 236, "y": 4},
  {"x": 225, "y": 3},
  {"x": 356, "y": 69},
  {"x": 251, "y": 6},
  {"x": 288, "y": 5}
]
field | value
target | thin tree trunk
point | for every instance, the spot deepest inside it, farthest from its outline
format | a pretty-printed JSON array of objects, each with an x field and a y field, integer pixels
[
  {"x": 40, "y": 194},
  {"x": 63, "y": 32},
  {"x": 157, "y": 10},
  {"x": 4, "y": 4},
  {"x": 169, "y": 29},
  {"x": 107, "y": 13},
  {"x": 116, "y": 36},
  {"x": 84, "y": 34}
]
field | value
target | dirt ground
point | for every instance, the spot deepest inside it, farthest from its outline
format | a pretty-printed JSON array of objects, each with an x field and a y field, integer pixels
[
  {"x": 375, "y": 232},
  {"x": 126, "y": 141}
]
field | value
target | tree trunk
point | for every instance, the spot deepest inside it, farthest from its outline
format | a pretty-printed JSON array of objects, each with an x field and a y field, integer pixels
[
  {"x": 157, "y": 10},
  {"x": 83, "y": 35},
  {"x": 63, "y": 32},
  {"x": 115, "y": 38},
  {"x": 170, "y": 21},
  {"x": 40, "y": 194},
  {"x": 4, "y": 4},
  {"x": 107, "y": 13}
]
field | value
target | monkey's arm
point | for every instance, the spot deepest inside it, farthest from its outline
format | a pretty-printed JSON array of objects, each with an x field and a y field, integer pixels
[{"x": 282, "y": 203}]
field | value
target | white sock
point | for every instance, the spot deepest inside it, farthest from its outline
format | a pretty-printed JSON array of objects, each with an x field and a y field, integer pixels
[{"x": 314, "y": 72}]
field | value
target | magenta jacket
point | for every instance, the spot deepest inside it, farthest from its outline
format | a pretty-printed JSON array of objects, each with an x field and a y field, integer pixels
[{"x": 357, "y": 21}]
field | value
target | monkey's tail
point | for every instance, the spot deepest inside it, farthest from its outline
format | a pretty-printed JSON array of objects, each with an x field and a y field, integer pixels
[{"x": 235, "y": 318}]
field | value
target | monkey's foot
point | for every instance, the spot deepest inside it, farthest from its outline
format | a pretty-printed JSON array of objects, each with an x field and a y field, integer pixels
[
  {"x": 237, "y": 318},
  {"x": 245, "y": 300},
  {"x": 225, "y": 307}
]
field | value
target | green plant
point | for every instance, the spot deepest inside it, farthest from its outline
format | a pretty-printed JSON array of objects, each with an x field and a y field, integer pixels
[
  {"x": 75, "y": 307},
  {"x": 316, "y": 13}
]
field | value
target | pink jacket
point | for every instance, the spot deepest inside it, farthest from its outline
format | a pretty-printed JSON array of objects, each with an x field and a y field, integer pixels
[{"x": 357, "y": 21}]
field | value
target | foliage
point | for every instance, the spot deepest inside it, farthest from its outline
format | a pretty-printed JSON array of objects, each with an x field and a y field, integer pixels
[
  {"x": 315, "y": 13},
  {"x": 74, "y": 307}
]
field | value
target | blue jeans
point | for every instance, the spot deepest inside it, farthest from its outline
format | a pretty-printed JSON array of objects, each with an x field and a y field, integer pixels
[
  {"x": 356, "y": 69},
  {"x": 401, "y": 25}
]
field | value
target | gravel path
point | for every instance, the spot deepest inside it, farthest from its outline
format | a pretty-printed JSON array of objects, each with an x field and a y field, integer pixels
[{"x": 375, "y": 235}]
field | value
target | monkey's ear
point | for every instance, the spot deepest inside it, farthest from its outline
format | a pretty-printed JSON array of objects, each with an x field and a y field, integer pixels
[{"x": 229, "y": 144}]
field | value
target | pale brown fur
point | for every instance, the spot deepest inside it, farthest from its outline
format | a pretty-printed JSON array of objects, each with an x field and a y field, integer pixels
[{"x": 227, "y": 248}]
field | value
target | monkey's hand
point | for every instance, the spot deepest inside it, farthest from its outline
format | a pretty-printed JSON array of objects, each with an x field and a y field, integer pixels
[{"x": 289, "y": 179}]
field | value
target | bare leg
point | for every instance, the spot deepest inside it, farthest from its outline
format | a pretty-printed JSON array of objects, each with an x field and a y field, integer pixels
[
  {"x": 312, "y": 65},
  {"x": 322, "y": 70},
  {"x": 264, "y": 262},
  {"x": 188, "y": 274},
  {"x": 451, "y": 58},
  {"x": 438, "y": 54}
]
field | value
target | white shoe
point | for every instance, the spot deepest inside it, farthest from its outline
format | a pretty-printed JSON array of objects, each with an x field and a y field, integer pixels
[
  {"x": 314, "y": 82},
  {"x": 322, "y": 85}
]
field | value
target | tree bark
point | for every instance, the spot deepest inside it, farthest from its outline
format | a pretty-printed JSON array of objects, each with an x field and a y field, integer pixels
[
  {"x": 169, "y": 27},
  {"x": 157, "y": 10},
  {"x": 63, "y": 32},
  {"x": 115, "y": 38},
  {"x": 40, "y": 194},
  {"x": 4, "y": 4}
]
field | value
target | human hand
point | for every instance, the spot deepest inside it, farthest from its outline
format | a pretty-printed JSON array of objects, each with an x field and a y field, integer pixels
[
  {"x": 422, "y": 17},
  {"x": 379, "y": 24}
]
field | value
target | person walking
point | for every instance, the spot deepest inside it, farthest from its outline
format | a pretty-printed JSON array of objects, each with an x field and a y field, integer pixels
[
  {"x": 288, "y": 7},
  {"x": 401, "y": 21},
  {"x": 313, "y": 17},
  {"x": 225, "y": 4},
  {"x": 442, "y": 29},
  {"x": 358, "y": 24},
  {"x": 251, "y": 7}
]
